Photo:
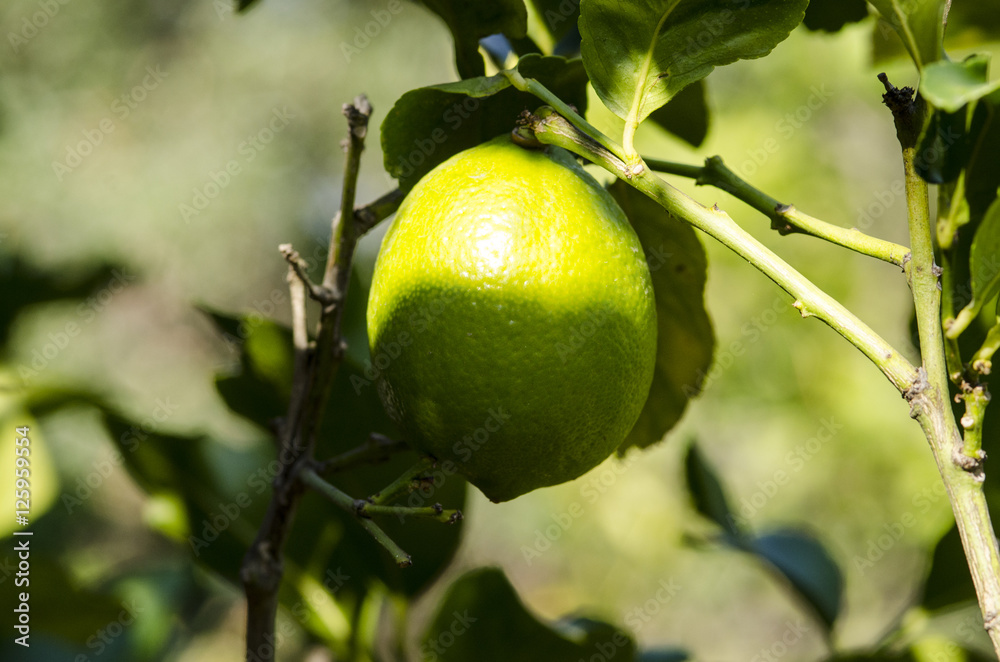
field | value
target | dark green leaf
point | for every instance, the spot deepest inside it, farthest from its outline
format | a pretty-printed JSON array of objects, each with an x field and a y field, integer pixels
[
  {"x": 25, "y": 285},
  {"x": 482, "y": 618},
  {"x": 686, "y": 115},
  {"x": 949, "y": 581},
  {"x": 707, "y": 493},
  {"x": 558, "y": 16},
  {"x": 920, "y": 25},
  {"x": 983, "y": 260},
  {"x": 640, "y": 54},
  {"x": 944, "y": 147},
  {"x": 832, "y": 15},
  {"x": 685, "y": 339},
  {"x": 951, "y": 85},
  {"x": 983, "y": 176},
  {"x": 471, "y": 21},
  {"x": 807, "y": 566},
  {"x": 430, "y": 124}
]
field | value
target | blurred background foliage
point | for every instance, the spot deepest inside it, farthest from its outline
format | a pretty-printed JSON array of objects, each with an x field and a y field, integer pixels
[{"x": 152, "y": 157}]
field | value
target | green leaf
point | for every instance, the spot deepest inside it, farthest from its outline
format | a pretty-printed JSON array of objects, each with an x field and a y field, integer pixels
[
  {"x": 983, "y": 263},
  {"x": 951, "y": 85},
  {"x": 948, "y": 581},
  {"x": 482, "y": 618},
  {"x": 832, "y": 15},
  {"x": 983, "y": 176},
  {"x": 707, "y": 493},
  {"x": 471, "y": 21},
  {"x": 557, "y": 16},
  {"x": 807, "y": 566},
  {"x": 663, "y": 655},
  {"x": 24, "y": 285},
  {"x": 686, "y": 116},
  {"x": 920, "y": 25},
  {"x": 430, "y": 124},
  {"x": 685, "y": 339},
  {"x": 944, "y": 148},
  {"x": 640, "y": 54}
]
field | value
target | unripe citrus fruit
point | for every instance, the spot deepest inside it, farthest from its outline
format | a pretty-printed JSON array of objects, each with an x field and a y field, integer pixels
[{"x": 511, "y": 318}]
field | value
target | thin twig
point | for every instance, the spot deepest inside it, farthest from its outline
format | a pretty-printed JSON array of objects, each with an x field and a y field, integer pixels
[
  {"x": 377, "y": 449},
  {"x": 785, "y": 218},
  {"x": 316, "y": 366},
  {"x": 301, "y": 269},
  {"x": 405, "y": 484},
  {"x": 353, "y": 506}
]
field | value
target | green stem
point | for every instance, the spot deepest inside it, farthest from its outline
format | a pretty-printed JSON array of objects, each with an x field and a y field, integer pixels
[
  {"x": 981, "y": 360},
  {"x": 345, "y": 502},
  {"x": 402, "y": 485},
  {"x": 435, "y": 512},
  {"x": 785, "y": 218},
  {"x": 532, "y": 86},
  {"x": 961, "y": 473},
  {"x": 809, "y": 299},
  {"x": 377, "y": 449}
]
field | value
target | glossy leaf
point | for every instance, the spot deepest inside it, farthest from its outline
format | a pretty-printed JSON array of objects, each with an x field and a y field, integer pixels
[
  {"x": 920, "y": 25},
  {"x": 984, "y": 266},
  {"x": 686, "y": 116},
  {"x": 951, "y": 85},
  {"x": 983, "y": 176},
  {"x": 482, "y": 618},
  {"x": 430, "y": 124},
  {"x": 685, "y": 338},
  {"x": 640, "y": 54},
  {"x": 944, "y": 148},
  {"x": 471, "y": 21},
  {"x": 807, "y": 566},
  {"x": 832, "y": 15},
  {"x": 707, "y": 493}
]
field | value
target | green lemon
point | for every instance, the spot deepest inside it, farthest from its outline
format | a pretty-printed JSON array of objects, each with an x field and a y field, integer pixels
[{"x": 511, "y": 319}]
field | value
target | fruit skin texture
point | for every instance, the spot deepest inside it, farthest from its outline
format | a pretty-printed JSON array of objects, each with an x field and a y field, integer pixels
[{"x": 511, "y": 319}]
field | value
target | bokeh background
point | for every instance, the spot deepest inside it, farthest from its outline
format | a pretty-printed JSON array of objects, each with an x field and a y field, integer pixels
[{"x": 118, "y": 121}]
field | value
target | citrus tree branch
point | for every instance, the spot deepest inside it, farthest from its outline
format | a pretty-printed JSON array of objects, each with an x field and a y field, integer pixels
[
  {"x": 786, "y": 219},
  {"x": 960, "y": 466},
  {"x": 315, "y": 367},
  {"x": 810, "y": 300},
  {"x": 378, "y": 448}
]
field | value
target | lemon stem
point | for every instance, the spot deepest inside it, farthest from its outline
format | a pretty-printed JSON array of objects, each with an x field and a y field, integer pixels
[
  {"x": 785, "y": 218},
  {"x": 810, "y": 300}
]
